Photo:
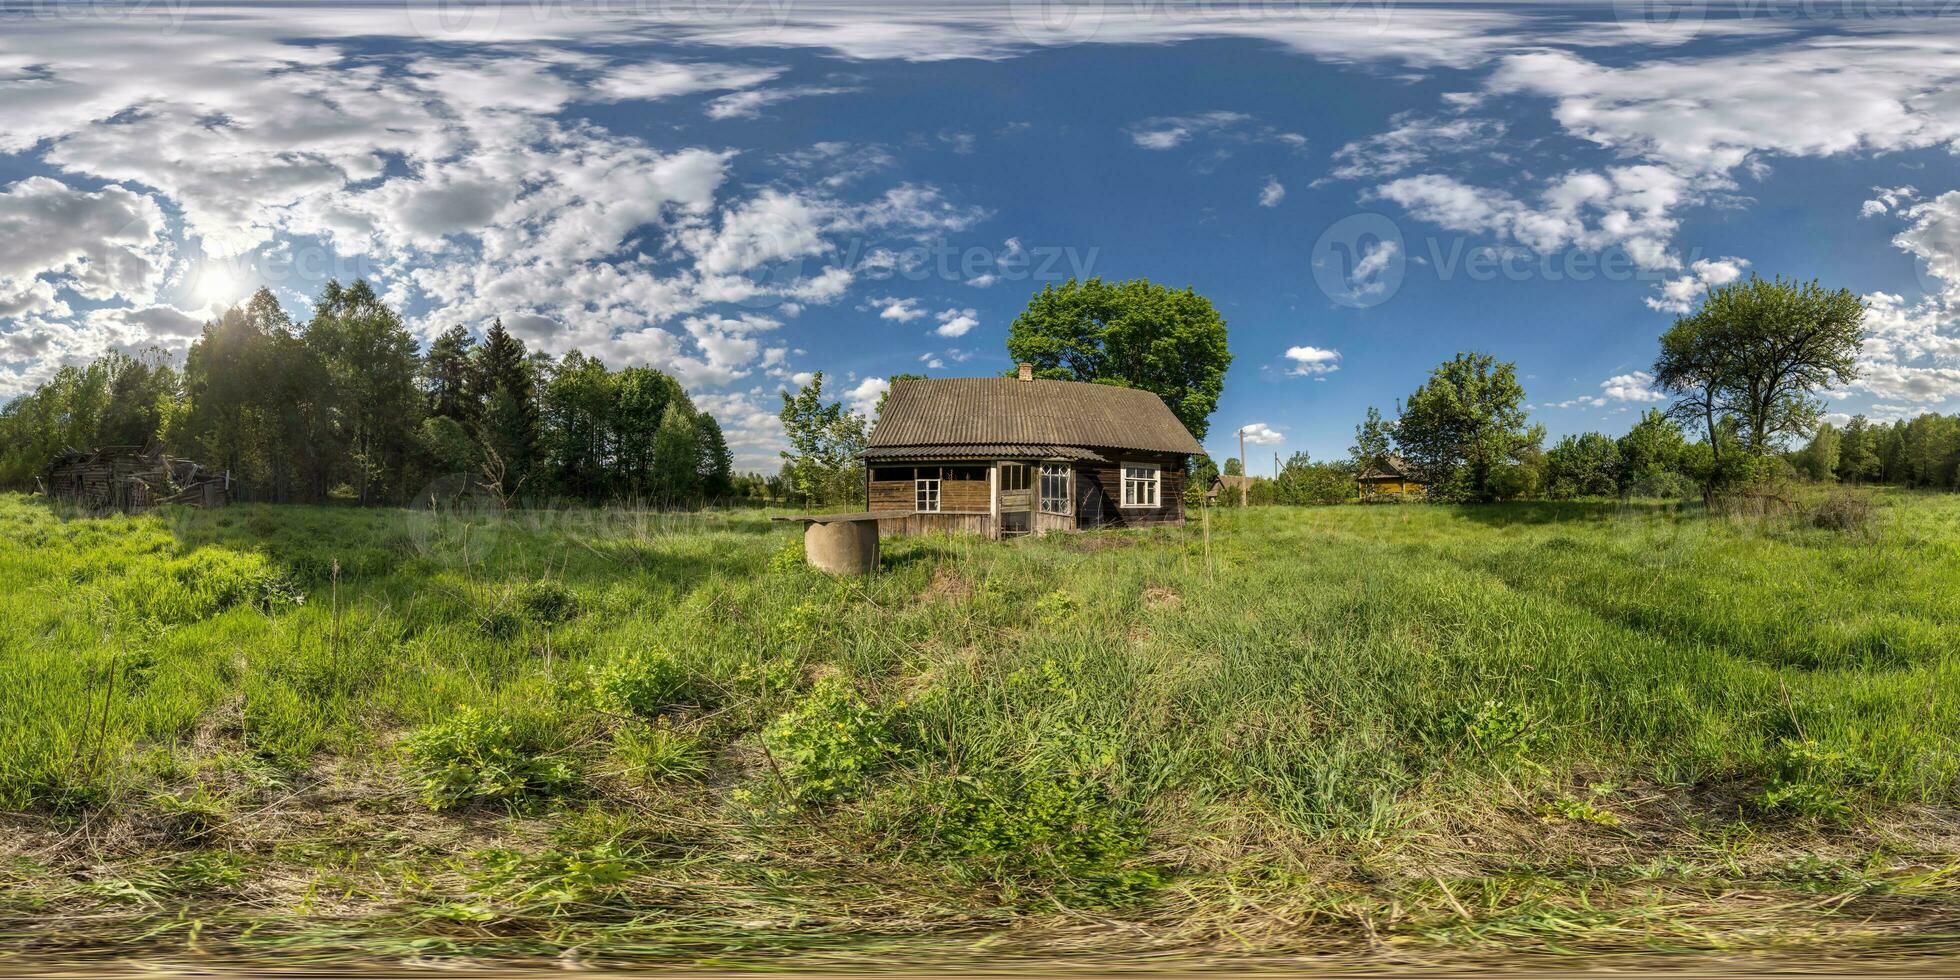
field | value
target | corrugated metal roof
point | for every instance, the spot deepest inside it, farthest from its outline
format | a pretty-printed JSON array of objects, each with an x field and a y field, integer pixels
[
  {"x": 982, "y": 451},
  {"x": 1007, "y": 411}
]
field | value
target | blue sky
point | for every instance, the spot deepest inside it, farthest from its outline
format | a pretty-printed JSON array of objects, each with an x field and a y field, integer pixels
[{"x": 743, "y": 193}]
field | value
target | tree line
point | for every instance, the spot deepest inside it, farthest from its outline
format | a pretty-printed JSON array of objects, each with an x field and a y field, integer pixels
[{"x": 345, "y": 406}]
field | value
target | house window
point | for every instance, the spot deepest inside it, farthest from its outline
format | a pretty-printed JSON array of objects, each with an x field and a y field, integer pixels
[
  {"x": 925, "y": 492},
  {"x": 1140, "y": 484},
  {"x": 1013, "y": 477},
  {"x": 1054, "y": 488}
]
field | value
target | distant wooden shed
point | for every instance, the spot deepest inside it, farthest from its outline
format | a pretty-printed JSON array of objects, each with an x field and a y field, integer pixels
[
  {"x": 1005, "y": 456},
  {"x": 1222, "y": 482},
  {"x": 1391, "y": 477},
  {"x": 130, "y": 478}
]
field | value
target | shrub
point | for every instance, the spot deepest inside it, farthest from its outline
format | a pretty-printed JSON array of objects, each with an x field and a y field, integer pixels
[
  {"x": 789, "y": 558},
  {"x": 547, "y": 603},
  {"x": 1503, "y": 730},
  {"x": 1061, "y": 834},
  {"x": 642, "y": 683},
  {"x": 473, "y": 757},
  {"x": 828, "y": 746},
  {"x": 1056, "y": 607},
  {"x": 1843, "y": 511}
]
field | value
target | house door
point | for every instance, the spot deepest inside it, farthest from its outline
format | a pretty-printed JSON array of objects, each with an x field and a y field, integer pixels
[{"x": 1016, "y": 498}]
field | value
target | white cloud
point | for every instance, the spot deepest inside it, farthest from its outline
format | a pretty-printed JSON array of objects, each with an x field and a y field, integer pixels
[
  {"x": 749, "y": 103},
  {"x": 1271, "y": 194},
  {"x": 1629, "y": 207},
  {"x": 1934, "y": 240},
  {"x": 1884, "y": 199},
  {"x": 863, "y": 398},
  {"x": 956, "y": 322},
  {"x": 1170, "y": 132},
  {"x": 894, "y": 308},
  {"x": 1309, "y": 361},
  {"x": 666, "y": 79},
  {"x": 1637, "y": 386},
  {"x": 1415, "y": 140},
  {"x": 1261, "y": 434},
  {"x": 1679, "y": 295},
  {"x": 102, "y": 245}
]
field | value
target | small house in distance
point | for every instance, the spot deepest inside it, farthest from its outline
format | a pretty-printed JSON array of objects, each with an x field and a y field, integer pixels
[
  {"x": 1006, "y": 456},
  {"x": 1223, "y": 484},
  {"x": 132, "y": 478},
  {"x": 1391, "y": 478}
]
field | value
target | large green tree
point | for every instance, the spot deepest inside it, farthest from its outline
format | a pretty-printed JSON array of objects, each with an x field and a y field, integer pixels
[
  {"x": 1466, "y": 424},
  {"x": 1758, "y": 352},
  {"x": 510, "y": 431},
  {"x": 372, "y": 366},
  {"x": 820, "y": 466},
  {"x": 1137, "y": 334}
]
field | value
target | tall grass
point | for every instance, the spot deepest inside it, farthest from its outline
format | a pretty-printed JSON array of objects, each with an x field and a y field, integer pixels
[{"x": 1315, "y": 715}]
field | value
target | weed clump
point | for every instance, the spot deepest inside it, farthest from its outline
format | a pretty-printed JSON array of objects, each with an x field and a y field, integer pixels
[
  {"x": 789, "y": 558},
  {"x": 472, "y": 757},
  {"x": 1844, "y": 512},
  {"x": 828, "y": 747},
  {"x": 659, "y": 754},
  {"x": 547, "y": 603},
  {"x": 1050, "y": 835},
  {"x": 1813, "y": 781},
  {"x": 642, "y": 683}
]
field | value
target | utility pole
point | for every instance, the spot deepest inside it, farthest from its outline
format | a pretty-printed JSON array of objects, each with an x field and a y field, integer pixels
[{"x": 1245, "y": 472}]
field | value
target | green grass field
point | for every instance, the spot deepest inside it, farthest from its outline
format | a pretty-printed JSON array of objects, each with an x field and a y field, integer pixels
[{"x": 613, "y": 734}]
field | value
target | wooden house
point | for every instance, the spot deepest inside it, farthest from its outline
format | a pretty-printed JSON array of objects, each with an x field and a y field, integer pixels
[
  {"x": 1221, "y": 483},
  {"x": 132, "y": 478},
  {"x": 1391, "y": 478},
  {"x": 1005, "y": 456}
]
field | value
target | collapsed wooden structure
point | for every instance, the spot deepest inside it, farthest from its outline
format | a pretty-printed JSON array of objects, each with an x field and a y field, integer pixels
[{"x": 129, "y": 478}]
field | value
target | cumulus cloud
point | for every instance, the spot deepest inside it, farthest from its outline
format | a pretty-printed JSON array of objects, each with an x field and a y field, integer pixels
[
  {"x": 1884, "y": 199},
  {"x": 103, "y": 245},
  {"x": 900, "y": 310},
  {"x": 1933, "y": 239},
  {"x": 1171, "y": 132},
  {"x": 1629, "y": 207},
  {"x": 1679, "y": 295},
  {"x": 1313, "y": 362},
  {"x": 1637, "y": 386},
  {"x": 1413, "y": 141},
  {"x": 1261, "y": 434},
  {"x": 862, "y": 398},
  {"x": 1271, "y": 194},
  {"x": 956, "y": 322}
]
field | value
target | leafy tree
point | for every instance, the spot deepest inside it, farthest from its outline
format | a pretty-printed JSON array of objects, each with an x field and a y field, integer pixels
[
  {"x": 575, "y": 401},
  {"x": 1136, "y": 334},
  {"x": 640, "y": 397},
  {"x": 1302, "y": 481},
  {"x": 1651, "y": 456},
  {"x": 371, "y": 365},
  {"x": 1819, "y": 460},
  {"x": 1858, "y": 451},
  {"x": 676, "y": 456},
  {"x": 1758, "y": 351},
  {"x": 821, "y": 467},
  {"x": 1464, "y": 424},
  {"x": 1373, "y": 441},
  {"x": 1234, "y": 466},
  {"x": 1585, "y": 465}
]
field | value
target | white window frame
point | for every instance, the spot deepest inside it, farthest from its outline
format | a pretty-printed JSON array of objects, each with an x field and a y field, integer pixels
[
  {"x": 1155, "y": 483},
  {"x": 924, "y": 485},
  {"x": 1068, "y": 488}
]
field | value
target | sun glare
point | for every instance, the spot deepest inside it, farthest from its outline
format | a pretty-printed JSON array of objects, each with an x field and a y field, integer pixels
[{"x": 216, "y": 284}]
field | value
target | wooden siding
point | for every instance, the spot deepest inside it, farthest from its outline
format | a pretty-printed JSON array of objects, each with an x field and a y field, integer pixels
[
  {"x": 1099, "y": 491},
  {"x": 955, "y": 496},
  {"x": 980, "y": 524}
]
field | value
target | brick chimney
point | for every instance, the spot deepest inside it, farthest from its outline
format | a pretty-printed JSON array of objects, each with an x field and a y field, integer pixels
[{"x": 1026, "y": 371}]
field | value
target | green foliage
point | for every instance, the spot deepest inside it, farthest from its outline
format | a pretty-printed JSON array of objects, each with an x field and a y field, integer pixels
[
  {"x": 1464, "y": 424},
  {"x": 643, "y": 683},
  {"x": 474, "y": 757},
  {"x": 1585, "y": 465},
  {"x": 658, "y": 754},
  {"x": 829, "y": 745},
  {"x": 789, "y": 558},
  {"x": 1042, "y": 833},
  {"x": 1302, "y": 481},
  {"x": 1136, "y": 334},
  {"x": 1814, "y": 781},
  {"x": 821, "y": 467},
  {"x": 546, "y": 881},
  {"x": 1056, "y": 607},
  {"x": 547, "y": 603}
]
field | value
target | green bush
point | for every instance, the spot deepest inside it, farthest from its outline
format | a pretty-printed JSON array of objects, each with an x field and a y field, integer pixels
[
  {"x": 789, "y": 558},
  {"x": 547, "y": 603},
  {"x": 1813, "y": 781},
  {"x": 828, "y": 746},
  {"x": 642, "y": 683},
  {"x": 1055, "y": 835},
  {"x": 472, "y": 757}
]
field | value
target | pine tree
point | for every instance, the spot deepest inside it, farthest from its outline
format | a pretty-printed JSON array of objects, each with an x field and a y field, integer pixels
[{"x": 510, "y": 410}]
